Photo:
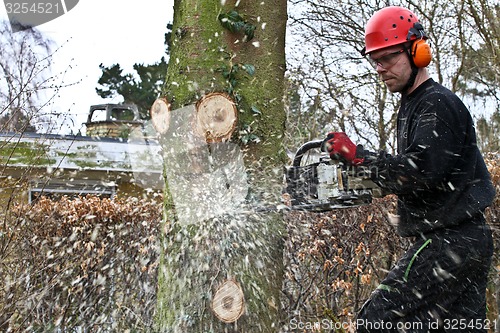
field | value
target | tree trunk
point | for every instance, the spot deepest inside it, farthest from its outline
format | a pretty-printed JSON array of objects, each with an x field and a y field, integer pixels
[{"x": 222, "y": 123}]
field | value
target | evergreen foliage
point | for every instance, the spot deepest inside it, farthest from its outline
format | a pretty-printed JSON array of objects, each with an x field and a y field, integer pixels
[{"x": 141, "y": 87}]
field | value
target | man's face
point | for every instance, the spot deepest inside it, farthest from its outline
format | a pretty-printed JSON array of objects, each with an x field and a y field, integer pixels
[{"x": 393, "y": 67}]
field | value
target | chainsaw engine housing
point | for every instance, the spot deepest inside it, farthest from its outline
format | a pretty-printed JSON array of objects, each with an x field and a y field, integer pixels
[{"x": 327, "y": 184}]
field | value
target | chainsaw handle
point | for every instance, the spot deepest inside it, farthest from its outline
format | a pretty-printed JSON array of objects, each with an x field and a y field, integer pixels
[{"x": 303, "y": 149}]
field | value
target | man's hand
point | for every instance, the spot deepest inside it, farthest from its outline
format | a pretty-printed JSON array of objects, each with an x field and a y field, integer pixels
[{"x": 340, "y": 147}]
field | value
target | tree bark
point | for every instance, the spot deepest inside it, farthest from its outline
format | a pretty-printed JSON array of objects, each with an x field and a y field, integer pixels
[{"x": 221, "y": 264}]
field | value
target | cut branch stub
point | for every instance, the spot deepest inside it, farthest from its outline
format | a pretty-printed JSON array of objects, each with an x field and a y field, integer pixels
[
  {"x": 228, "y": 302},
  {"x": 216, "y": 117},
  {"x": 160, "y": 115}
]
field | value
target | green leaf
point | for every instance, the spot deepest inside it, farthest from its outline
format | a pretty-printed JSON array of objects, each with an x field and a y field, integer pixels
[
  {"x": 234, "y": 16},
  {"x": 231, "y": 21},
  {"x": 238, "y": 26},
  {"x": 249, "y": 31},
  {"x": 247, "y": 138},
  {"x": 226, "y": 73},
  {"x": 234, "y": 22},
  {"x": 255, "y": 111},
  {"x": 237, "y": 98},
  {"x": 250, "y": 69},
  {"x": 235, "y": 69}
]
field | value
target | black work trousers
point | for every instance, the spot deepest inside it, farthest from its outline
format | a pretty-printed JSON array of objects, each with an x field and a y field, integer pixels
[{"x": 439, "y": 285}]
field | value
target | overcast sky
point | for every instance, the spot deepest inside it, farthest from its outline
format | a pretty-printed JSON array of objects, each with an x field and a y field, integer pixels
[{"x": 107, "y": 32}]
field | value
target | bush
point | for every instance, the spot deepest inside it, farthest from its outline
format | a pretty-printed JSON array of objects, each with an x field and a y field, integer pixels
[
  {"x": 336, "y": 259},
  {"x": 87, "y": 264}
]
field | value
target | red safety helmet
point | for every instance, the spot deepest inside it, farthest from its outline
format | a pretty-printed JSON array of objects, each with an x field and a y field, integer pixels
[
  {"x": 397, "y": 25},
  {"x": 391, "y": 26}
]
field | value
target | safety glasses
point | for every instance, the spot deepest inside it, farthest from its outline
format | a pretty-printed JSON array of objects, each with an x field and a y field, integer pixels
[{"x": 386, "y": 61}]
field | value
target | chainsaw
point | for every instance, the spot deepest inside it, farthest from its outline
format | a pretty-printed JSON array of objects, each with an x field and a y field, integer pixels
[{"x": 327, "y": 184}]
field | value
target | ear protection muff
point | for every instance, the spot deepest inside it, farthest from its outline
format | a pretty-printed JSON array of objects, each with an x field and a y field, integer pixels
[
  {"x": 421, "y": 53},
  {"x": 420, "y": 49}
]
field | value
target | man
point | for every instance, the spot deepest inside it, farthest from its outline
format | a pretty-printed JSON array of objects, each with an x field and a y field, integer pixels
[{"x": 442, "y": 185}]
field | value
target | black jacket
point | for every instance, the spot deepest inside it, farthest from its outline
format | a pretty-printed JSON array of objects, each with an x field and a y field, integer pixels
[{"x": 439, "y": 175}]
